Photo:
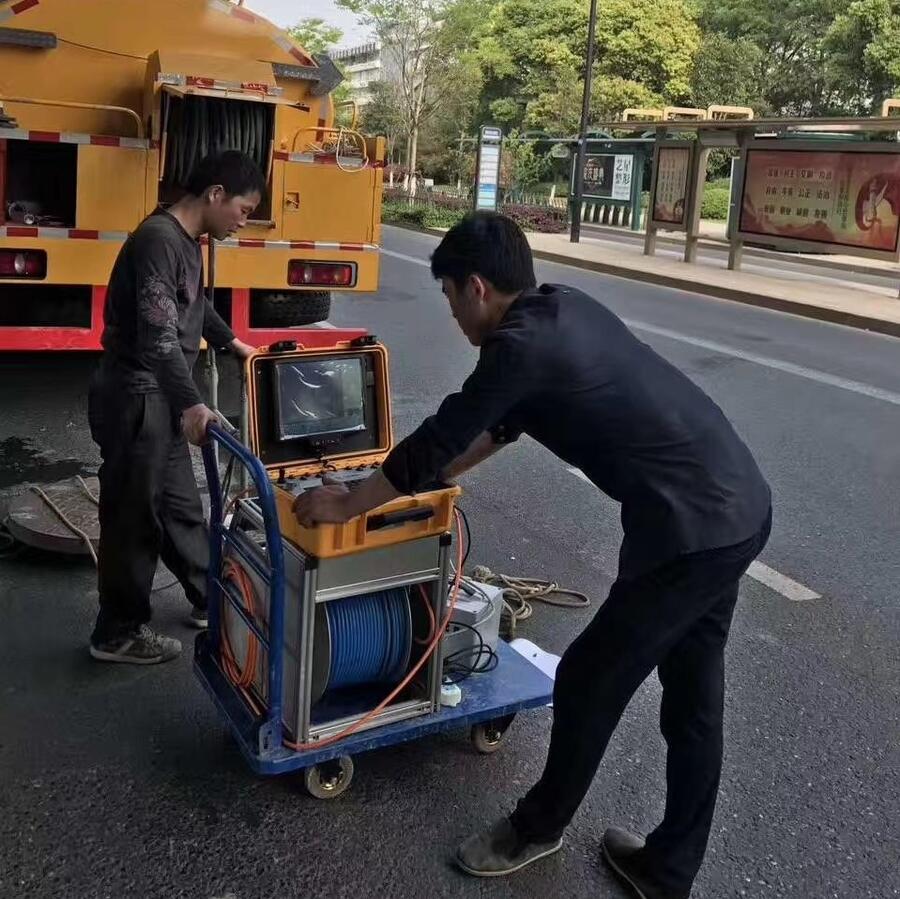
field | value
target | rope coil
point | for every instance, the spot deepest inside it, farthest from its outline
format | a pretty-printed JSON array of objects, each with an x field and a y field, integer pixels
[{"x": 519, "y": 594}]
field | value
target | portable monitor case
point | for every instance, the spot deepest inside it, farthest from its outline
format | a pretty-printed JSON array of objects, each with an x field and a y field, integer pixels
[{"x": 294, "y": 449}]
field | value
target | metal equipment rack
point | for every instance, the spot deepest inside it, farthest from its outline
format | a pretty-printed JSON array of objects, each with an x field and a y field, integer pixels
[{"x": 490, "y": 700}]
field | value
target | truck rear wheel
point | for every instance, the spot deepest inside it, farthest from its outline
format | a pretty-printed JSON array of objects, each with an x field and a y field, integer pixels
[{"x": 285, "y": 310}]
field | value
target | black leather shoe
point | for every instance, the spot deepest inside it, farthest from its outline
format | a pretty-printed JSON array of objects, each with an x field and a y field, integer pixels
[{"x": 622, "y": 852}]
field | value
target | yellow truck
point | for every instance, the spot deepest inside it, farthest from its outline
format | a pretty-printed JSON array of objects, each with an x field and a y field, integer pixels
[{"x": 104, "y": 107}]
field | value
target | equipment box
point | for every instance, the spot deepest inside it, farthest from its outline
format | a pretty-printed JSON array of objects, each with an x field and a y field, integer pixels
[{"x": 317, "y": 414}]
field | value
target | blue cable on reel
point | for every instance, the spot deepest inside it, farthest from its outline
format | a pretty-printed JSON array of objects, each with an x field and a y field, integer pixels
[{"x": 371, "y": 638}]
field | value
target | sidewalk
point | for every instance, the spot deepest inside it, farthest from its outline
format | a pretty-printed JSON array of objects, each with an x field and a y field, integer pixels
[
  {"x": 712, "y": 234},
  {"x": 866, "y": 306}
]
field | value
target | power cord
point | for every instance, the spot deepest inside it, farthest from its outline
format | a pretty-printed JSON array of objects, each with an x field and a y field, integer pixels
[{"x": 456, "y": 671}]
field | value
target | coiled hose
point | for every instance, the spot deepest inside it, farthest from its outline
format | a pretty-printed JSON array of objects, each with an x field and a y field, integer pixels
[{"x": 200, "y": 126}]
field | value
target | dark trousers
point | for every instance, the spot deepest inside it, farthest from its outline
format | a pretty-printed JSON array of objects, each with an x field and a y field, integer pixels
[
  {"x": 149, "y": 506},
  {"x": 675, "y": 619}
]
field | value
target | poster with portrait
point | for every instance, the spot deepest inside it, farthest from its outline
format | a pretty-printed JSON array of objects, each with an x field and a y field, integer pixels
[
  {"x": 835, "y": 199},
  {"x": 608, "y": 176},
  {"x": 670, "y": 196}
]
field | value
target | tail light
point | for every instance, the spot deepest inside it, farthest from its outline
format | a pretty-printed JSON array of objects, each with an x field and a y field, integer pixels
[
  {"x": 23, "y": 264},
  {"x": 321, "y": 274}
]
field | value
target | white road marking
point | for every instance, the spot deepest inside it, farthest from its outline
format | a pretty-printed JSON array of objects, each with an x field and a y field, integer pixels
[
  {"x": 800, "y": 371},
  {"x": 405, "y": 258},
  {"x": 773, "y": 579},
  {"x": 781, "y": 583}
]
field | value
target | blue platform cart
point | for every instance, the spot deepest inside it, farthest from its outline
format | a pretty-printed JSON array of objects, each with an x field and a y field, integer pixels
[{"x": 490, "y": 700}]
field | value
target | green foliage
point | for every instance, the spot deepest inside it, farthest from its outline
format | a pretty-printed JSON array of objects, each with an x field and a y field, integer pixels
[
  {"x": 716, "y": 201},
  {"x": 519, "y": 64},
  {"x": 532, "y": 53},
  {"x": 522, "y": 167},
  {"x": 863, "y": 44},
  {"x": 726, "y": 72},
  {"x": 315, "y": 35}
]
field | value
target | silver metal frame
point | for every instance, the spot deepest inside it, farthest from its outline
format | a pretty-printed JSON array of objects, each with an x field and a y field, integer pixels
[{"x": 354, "y": 575}]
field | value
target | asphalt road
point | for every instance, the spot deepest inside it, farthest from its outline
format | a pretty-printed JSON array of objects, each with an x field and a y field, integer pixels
[{"x": 121, "y": 783}]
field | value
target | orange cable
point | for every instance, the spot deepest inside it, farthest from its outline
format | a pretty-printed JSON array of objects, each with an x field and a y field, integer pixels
[
  {"x": 242, "y": 678},
  {"x": 318, "y": 744}
]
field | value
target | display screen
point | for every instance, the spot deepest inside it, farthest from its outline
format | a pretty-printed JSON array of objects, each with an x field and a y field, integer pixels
[{"x": 318, "y": 397}]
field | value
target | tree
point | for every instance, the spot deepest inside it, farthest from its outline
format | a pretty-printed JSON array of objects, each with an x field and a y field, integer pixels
[
  {"x": 533, "y": 55},
  {"x": 791, "y": 65},
  {"x": 315, "y": 35},
  {"x": 425, "y": 43},
  {"x": 726, "y": 71},
  {"x": 863, "y": 46},
  {"x": 381, "y": 115},
  {"x": 522, "y": 167}
]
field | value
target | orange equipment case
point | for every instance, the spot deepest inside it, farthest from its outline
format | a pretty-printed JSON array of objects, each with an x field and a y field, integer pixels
[{"x": 298, "y": 463}]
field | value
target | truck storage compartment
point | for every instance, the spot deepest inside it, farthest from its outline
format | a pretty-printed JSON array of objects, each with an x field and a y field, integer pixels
[
  {"x": 45, "y": 306},
  {"x": 40, "y": 186},
  {"x": 196, "y": 126}
]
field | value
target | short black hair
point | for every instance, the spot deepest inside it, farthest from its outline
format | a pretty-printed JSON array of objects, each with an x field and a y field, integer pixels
[
  {"x": 486, "y": 244},
  {"x": 235, "y": 171}
]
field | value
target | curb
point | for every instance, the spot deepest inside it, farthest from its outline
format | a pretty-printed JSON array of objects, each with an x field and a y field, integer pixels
[
  {"x": 711, "y": 243},
  {"x": 734, "y": 294}
]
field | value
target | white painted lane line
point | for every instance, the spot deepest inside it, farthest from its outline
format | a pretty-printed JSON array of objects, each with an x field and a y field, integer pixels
[
  {"x": 405, "y": 258},
  {"x": 781, "y": 583},
  {"x": 800, "y": 371},
  {"x": 771, "y": 578}
]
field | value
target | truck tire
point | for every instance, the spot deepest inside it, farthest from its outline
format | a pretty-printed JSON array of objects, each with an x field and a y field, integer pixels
[{"x": 286, "y": 310}]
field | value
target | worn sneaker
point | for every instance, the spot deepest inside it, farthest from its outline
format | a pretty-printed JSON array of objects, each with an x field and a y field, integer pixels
[
  {"x": 500, "y": 851},
  {"x": 199, "y": 618},
  {"x": 141, "y": 647},
  {"x": 622, "y": 852}
]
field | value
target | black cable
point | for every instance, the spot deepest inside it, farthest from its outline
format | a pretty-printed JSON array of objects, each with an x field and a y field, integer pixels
[
  {"x": 457, "y": 671},
  {"x": 465, "y": 519}
]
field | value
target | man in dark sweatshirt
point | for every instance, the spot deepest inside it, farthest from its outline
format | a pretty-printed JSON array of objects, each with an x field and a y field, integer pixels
[
  {"x": 143, "y": 407},
  {"x": 559, "y": 366}
]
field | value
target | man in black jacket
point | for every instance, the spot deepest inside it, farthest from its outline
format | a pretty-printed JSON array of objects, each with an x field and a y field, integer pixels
[
  {"x": 144, "y": 407},
  {"x": 696, "y": 511}
]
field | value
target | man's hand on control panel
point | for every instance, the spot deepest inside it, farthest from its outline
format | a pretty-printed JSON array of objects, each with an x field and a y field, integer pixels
[{"x": 333, "y": 503}]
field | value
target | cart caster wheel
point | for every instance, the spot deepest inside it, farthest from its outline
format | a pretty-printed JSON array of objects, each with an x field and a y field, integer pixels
[
  {"x": 330, "y": 779},
  {"x": 488, "y": 737}
]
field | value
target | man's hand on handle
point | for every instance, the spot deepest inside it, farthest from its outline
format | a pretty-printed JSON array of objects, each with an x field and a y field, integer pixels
[
  {"x": 240, "y": 349},
  {"x": 329, "y": 504},
  {"x": 194, "y": 423}
]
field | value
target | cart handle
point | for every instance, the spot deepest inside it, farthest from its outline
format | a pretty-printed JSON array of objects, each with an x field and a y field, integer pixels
[
  {"x": 266, "y": 501},
  {"x": 391, "y": 519}
]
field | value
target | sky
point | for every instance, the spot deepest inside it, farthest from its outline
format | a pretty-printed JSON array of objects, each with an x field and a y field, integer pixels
[{"x": 288, "y": 12}]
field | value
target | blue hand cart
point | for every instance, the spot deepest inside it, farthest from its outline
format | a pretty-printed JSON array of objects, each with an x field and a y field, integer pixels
[{"x": 490, "y": 700}]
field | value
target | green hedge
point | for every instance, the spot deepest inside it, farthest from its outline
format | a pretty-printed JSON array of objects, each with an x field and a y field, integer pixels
[
  {"x": 531, "y": 218},
  {"x": 716, "y": 201}
]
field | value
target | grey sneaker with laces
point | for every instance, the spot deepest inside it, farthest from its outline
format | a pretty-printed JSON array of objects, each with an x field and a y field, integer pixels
[
  {"x": 199, "y": 618},
  {"x": 140, "y": 647},
  {"x": 500, "y": 851}
]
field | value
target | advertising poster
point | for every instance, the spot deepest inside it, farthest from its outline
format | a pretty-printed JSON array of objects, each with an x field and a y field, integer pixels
[
  {"x": 673, "y": 167},
  {"x": 607, "y": 176},
  {"x": 844, "y": 199}
]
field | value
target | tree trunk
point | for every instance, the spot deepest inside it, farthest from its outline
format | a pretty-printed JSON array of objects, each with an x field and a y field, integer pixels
[
  {"x": 406, "y": 155},
  {"x": 413, "y": 153}
]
